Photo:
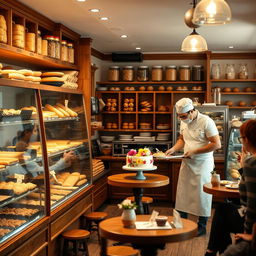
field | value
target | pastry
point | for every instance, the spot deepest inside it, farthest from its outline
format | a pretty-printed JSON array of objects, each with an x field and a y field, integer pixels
[
  {"x": 229, "y": 102},
  {"x": 142, "y": 88},
  {"x": 161, "y": 88},
  {"x": 235, "y": 89},
  {"x": 241, "y": 103},
  {"x": 248, "y": 89},
  {"x": 169, "y": 88},
  {"x": 150, "y": 88},
  {"x": 227, "y": 89}
]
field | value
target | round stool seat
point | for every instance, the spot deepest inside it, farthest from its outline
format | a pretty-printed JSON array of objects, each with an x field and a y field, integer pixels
[
  {"x": 96, "y": 216},
  {"x": 121, "y": 251},
  {"x": 76, "y": 234},
  {"x": 144, "y": 199}
]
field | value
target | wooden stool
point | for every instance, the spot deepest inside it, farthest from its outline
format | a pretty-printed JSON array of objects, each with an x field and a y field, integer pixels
[
  {"x": 145, "y": 201},
  {"x": 93, "y": 219},
  {"x": 77, "y": 237},
  {"x": 121, "y": 251}
]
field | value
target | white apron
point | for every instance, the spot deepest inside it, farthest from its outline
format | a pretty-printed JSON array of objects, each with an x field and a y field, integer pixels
[{"x": 194, "y": 173}]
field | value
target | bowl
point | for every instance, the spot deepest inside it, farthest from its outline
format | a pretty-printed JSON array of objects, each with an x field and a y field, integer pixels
[
  {"x": 107, "y": 138},
  {"x": 125, "y": 136},
  {"x": 161, "y": 220},
  {"x": 106, "y": 151},
  {"x": 145, "y": 134}
]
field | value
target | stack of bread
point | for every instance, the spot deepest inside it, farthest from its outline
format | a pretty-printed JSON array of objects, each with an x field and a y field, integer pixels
[
  {"x": 128, "y": 105},
  {"x": 145, "y": 106},
  {"x": 70, "y": 79},
  {"x": 111, "y": 105},
  {"x": 18, "y": 35},
  {"x": 8, "y": 157},
  {"x": 52, "y": 77},
  {"x": 58, "y": 110},
  {"x": 17, "y": 188},
  {"x": 97, "y": 167},
  {"x": 68, "y": 179},
  {"x": 22, "y": 74},
  {"x": 3, "y": 30}
]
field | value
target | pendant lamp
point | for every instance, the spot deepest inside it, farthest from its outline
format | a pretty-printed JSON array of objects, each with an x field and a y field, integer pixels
[
  {"x": 212, "y": 12},
  {"x": 194, "y": 43}
]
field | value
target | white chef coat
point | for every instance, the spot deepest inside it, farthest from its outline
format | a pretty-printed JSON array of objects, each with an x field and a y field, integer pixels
[{"x": 195, "y": 172}]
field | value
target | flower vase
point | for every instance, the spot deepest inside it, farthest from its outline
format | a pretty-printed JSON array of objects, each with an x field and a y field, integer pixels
[
  {"x": 215, "y": 180},
  {"x": 128, "y": 218}
]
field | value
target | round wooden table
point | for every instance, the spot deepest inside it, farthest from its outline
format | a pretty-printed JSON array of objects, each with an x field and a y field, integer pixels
[
  {"x": 129, "y": 180},
  {"x": 221, "y": 191},
  {"x": 147, "y": 241}
]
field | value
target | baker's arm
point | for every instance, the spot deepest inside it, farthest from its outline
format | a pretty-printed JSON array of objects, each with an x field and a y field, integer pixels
[{"x": 178, "y": 146}]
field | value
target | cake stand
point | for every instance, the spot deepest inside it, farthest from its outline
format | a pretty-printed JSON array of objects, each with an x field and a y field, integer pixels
[{"x": 139, "y": 175}]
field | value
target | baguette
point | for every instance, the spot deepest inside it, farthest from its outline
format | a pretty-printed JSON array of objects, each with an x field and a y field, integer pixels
[
  {"x": 70, "y": 181},
  {"x": 71, "y": 112},
  {"x": 65, "y": 113},
  {"x": 53, "y": 109}
]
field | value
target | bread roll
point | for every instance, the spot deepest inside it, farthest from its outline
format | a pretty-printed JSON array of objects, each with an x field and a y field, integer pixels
[{"x": 53, "y": 109}]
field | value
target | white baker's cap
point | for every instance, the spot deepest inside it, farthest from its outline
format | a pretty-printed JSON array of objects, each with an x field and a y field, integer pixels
[{"x": 184, "y": 105}]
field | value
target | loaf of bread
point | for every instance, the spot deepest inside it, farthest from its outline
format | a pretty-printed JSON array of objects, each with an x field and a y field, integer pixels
[
  {"x": 53, "y": 109},
  {"x": 52, "y": 74},
  {"x": 70, "y": 111},
  {"x": 52, "y": 79},
  {"x": 71, "y": 181},
  {"x": 81, "y": 182},
  {"x": 64, "y": 112}
]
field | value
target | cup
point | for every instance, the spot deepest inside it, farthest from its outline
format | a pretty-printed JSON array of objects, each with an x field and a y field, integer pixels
[{"x": 161, "y": 220}]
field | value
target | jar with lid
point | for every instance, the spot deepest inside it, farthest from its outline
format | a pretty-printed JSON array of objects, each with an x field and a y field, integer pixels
[
  {"x": 216, "y": 71},
  {"x": 30, "y": 44},
  {"x": 197, "y": 73},
  {"x": 39, "y": 42},
  {"x": 71, "y": 53},
  {"x": 171, "y": 73},
  {"x": 230, "y": 71},
  {"x": 243, "y": 71},
  {"x": 45, "y": 46},
  {"x": 157, "y": 73},
  {"x": 128, "y": 73},
  {"x": 143, "y": 73},
  {"x": 64, "y": 50},
  {"x": 51, "y": 46},
  {"x": 184, "y": 73},
  {"x": 57, "y": 47},
  {"x": 114, "y": 73}
]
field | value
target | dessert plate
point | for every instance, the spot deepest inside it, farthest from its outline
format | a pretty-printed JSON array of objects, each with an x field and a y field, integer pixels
[{"x": 232, "y": 186}]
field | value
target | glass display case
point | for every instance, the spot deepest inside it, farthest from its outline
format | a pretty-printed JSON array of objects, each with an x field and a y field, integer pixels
[
  {"x": 219, "y": 114},
  {"x": 67, "y": 144},
  {"x": 234, "y": 147},
  {"x": 20, "y": 163}
]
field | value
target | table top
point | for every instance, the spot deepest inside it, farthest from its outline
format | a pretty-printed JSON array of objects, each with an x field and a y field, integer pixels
[
  {"x": 221, "y": 191},
  {"x": 128, "y": 180},
  {"x": 113, "y": 229}
]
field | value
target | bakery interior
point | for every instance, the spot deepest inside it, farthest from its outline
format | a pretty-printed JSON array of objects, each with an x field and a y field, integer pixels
[{"x": 84, "y": 82}]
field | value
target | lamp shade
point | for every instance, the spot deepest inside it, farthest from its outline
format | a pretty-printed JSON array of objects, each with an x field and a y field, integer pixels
[
  {"x": 194, "y": 43},
  {"x": 212, "y": 12}
]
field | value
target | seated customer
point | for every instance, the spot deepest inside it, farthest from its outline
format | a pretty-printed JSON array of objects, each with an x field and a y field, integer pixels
[{"x": 228, "y": 217}]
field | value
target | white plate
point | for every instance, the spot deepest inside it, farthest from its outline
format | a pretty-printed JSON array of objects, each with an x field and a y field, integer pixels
[
  {"x": 232, "y": 186},
  {"x": 171, "y": 157},
  {"x": 162, "y": 139},
  {"x": 142, "y": 225},
  {"x": 226, "y": 182},
  {"x": 127, "y": 168},
  {"x": 126, "y": 139}
]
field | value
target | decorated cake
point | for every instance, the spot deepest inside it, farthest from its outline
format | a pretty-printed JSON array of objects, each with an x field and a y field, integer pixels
[{"x": 141, "y": 159}]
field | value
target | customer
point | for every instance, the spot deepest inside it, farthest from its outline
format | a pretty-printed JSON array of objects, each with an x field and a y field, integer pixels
[
  {"x": 199, "y": 137},
  {"x": 231, "y": 218}
]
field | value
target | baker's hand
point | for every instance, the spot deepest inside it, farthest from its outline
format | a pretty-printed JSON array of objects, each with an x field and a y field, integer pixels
[
  {"x": 69, "y": 156},
  {"x": 189, "y": 154},
  {"x": 246, "y": 237},
  {"x": 170, "y": 152}
]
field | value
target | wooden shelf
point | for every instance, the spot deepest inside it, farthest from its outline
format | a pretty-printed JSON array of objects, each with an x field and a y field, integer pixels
[
  {"x": 239, "y": 93},
  {"x": 30, "y": 85},
  {"x": 151, "y": 82},
  {"x": 133, "y": 130},
  {"x": 245, "y": 107},
  {"x": 234, "y": 80},
  {"x": 20, "y": 56},
  {"x": 141, "y": 92}
]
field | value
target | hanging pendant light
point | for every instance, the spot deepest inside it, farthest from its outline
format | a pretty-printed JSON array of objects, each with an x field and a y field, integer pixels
[
  {"x": 194, "y": 43},
  {"x": 212, "y": 12}
]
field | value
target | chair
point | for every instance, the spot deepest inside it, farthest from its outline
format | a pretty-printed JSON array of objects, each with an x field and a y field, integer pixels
[
  {"x": 121, "y": 251},
  {"x": 145, "y": 202},
  {"x": 92, "y": 221},
  {"x": 77, "y": 237}
]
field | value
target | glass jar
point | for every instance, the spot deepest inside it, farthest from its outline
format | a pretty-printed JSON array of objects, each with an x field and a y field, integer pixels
[
  {"x": 184, "y": 73},
  {"x": 45, "y": 46},
  {"x": 30, "y": 44},
  {"x": 3, "y": 29},
  {"x": 157, "y": 73},
  {"x": 243, "y": 71},
  {"x": 142, "y": 73},
  {"x": 197, "y": 73},
  {"x": 64, "y": 50},
  {"x": 71, "y": 53},
  {"x": 216, "y": 71},
  {"x": 217, "y": 96},
  {"x": 171, "y": 73},
  {"x": 230, "y": 71},
  {"x": 51, "y": 46},
  {"x": 113, "y": 73},
  {"x": 128, "y": 73},
  {"x": 57, "y": 47},
  {"x": 39, "y": 42}
]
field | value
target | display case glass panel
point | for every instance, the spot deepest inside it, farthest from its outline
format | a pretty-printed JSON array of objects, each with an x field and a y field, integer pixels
[
  {"x": 219, "y": 114},
  {"x": 20, "y": 162},
  {"x": 67, "y": 144}
]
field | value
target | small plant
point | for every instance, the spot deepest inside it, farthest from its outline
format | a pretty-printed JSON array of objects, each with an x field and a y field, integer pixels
[{"x": 127, "y": 204}]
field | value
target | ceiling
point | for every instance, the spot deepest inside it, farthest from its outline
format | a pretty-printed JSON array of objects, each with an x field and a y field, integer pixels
[{"x": 153, "y": 25}]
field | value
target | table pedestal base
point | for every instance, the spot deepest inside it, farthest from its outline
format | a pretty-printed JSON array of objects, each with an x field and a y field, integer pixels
[
  {"x": 140, "y": 175},
  {"x": 149, "y": 250},
  {"x": 138, "y": 193}
]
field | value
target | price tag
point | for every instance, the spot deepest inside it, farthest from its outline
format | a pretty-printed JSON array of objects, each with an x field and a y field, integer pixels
[
  {"x": 19, "y": 177},
  {"x": 66, "y": 103}
]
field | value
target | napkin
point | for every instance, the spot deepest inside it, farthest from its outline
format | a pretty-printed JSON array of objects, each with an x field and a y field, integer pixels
[
  {"x": 177, "y": 219},
  {"x": 153, "y": 216}
]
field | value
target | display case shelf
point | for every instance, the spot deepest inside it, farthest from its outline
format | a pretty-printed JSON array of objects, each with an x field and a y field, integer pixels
[
  {"x": 151, "y": 82},
  {"x": 233, "y": 80}
]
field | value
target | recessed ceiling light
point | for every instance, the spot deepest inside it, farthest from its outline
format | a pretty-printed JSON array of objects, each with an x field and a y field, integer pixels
[
  {"x": 138, "y": 48},
  {"x": 231, "y": 47},
  {"x": 94, "y": 10},
  {"x": 81, "y": 0},
  {"x": 104, "y": 18},
  {"x": 124, "y": 36}
]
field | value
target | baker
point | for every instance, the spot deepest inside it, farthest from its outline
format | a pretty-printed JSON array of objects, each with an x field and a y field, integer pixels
[{"x": 199, "y": 137}]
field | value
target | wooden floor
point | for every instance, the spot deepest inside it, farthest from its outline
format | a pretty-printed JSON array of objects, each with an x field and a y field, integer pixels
[{"x": 193, "y": 247}]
